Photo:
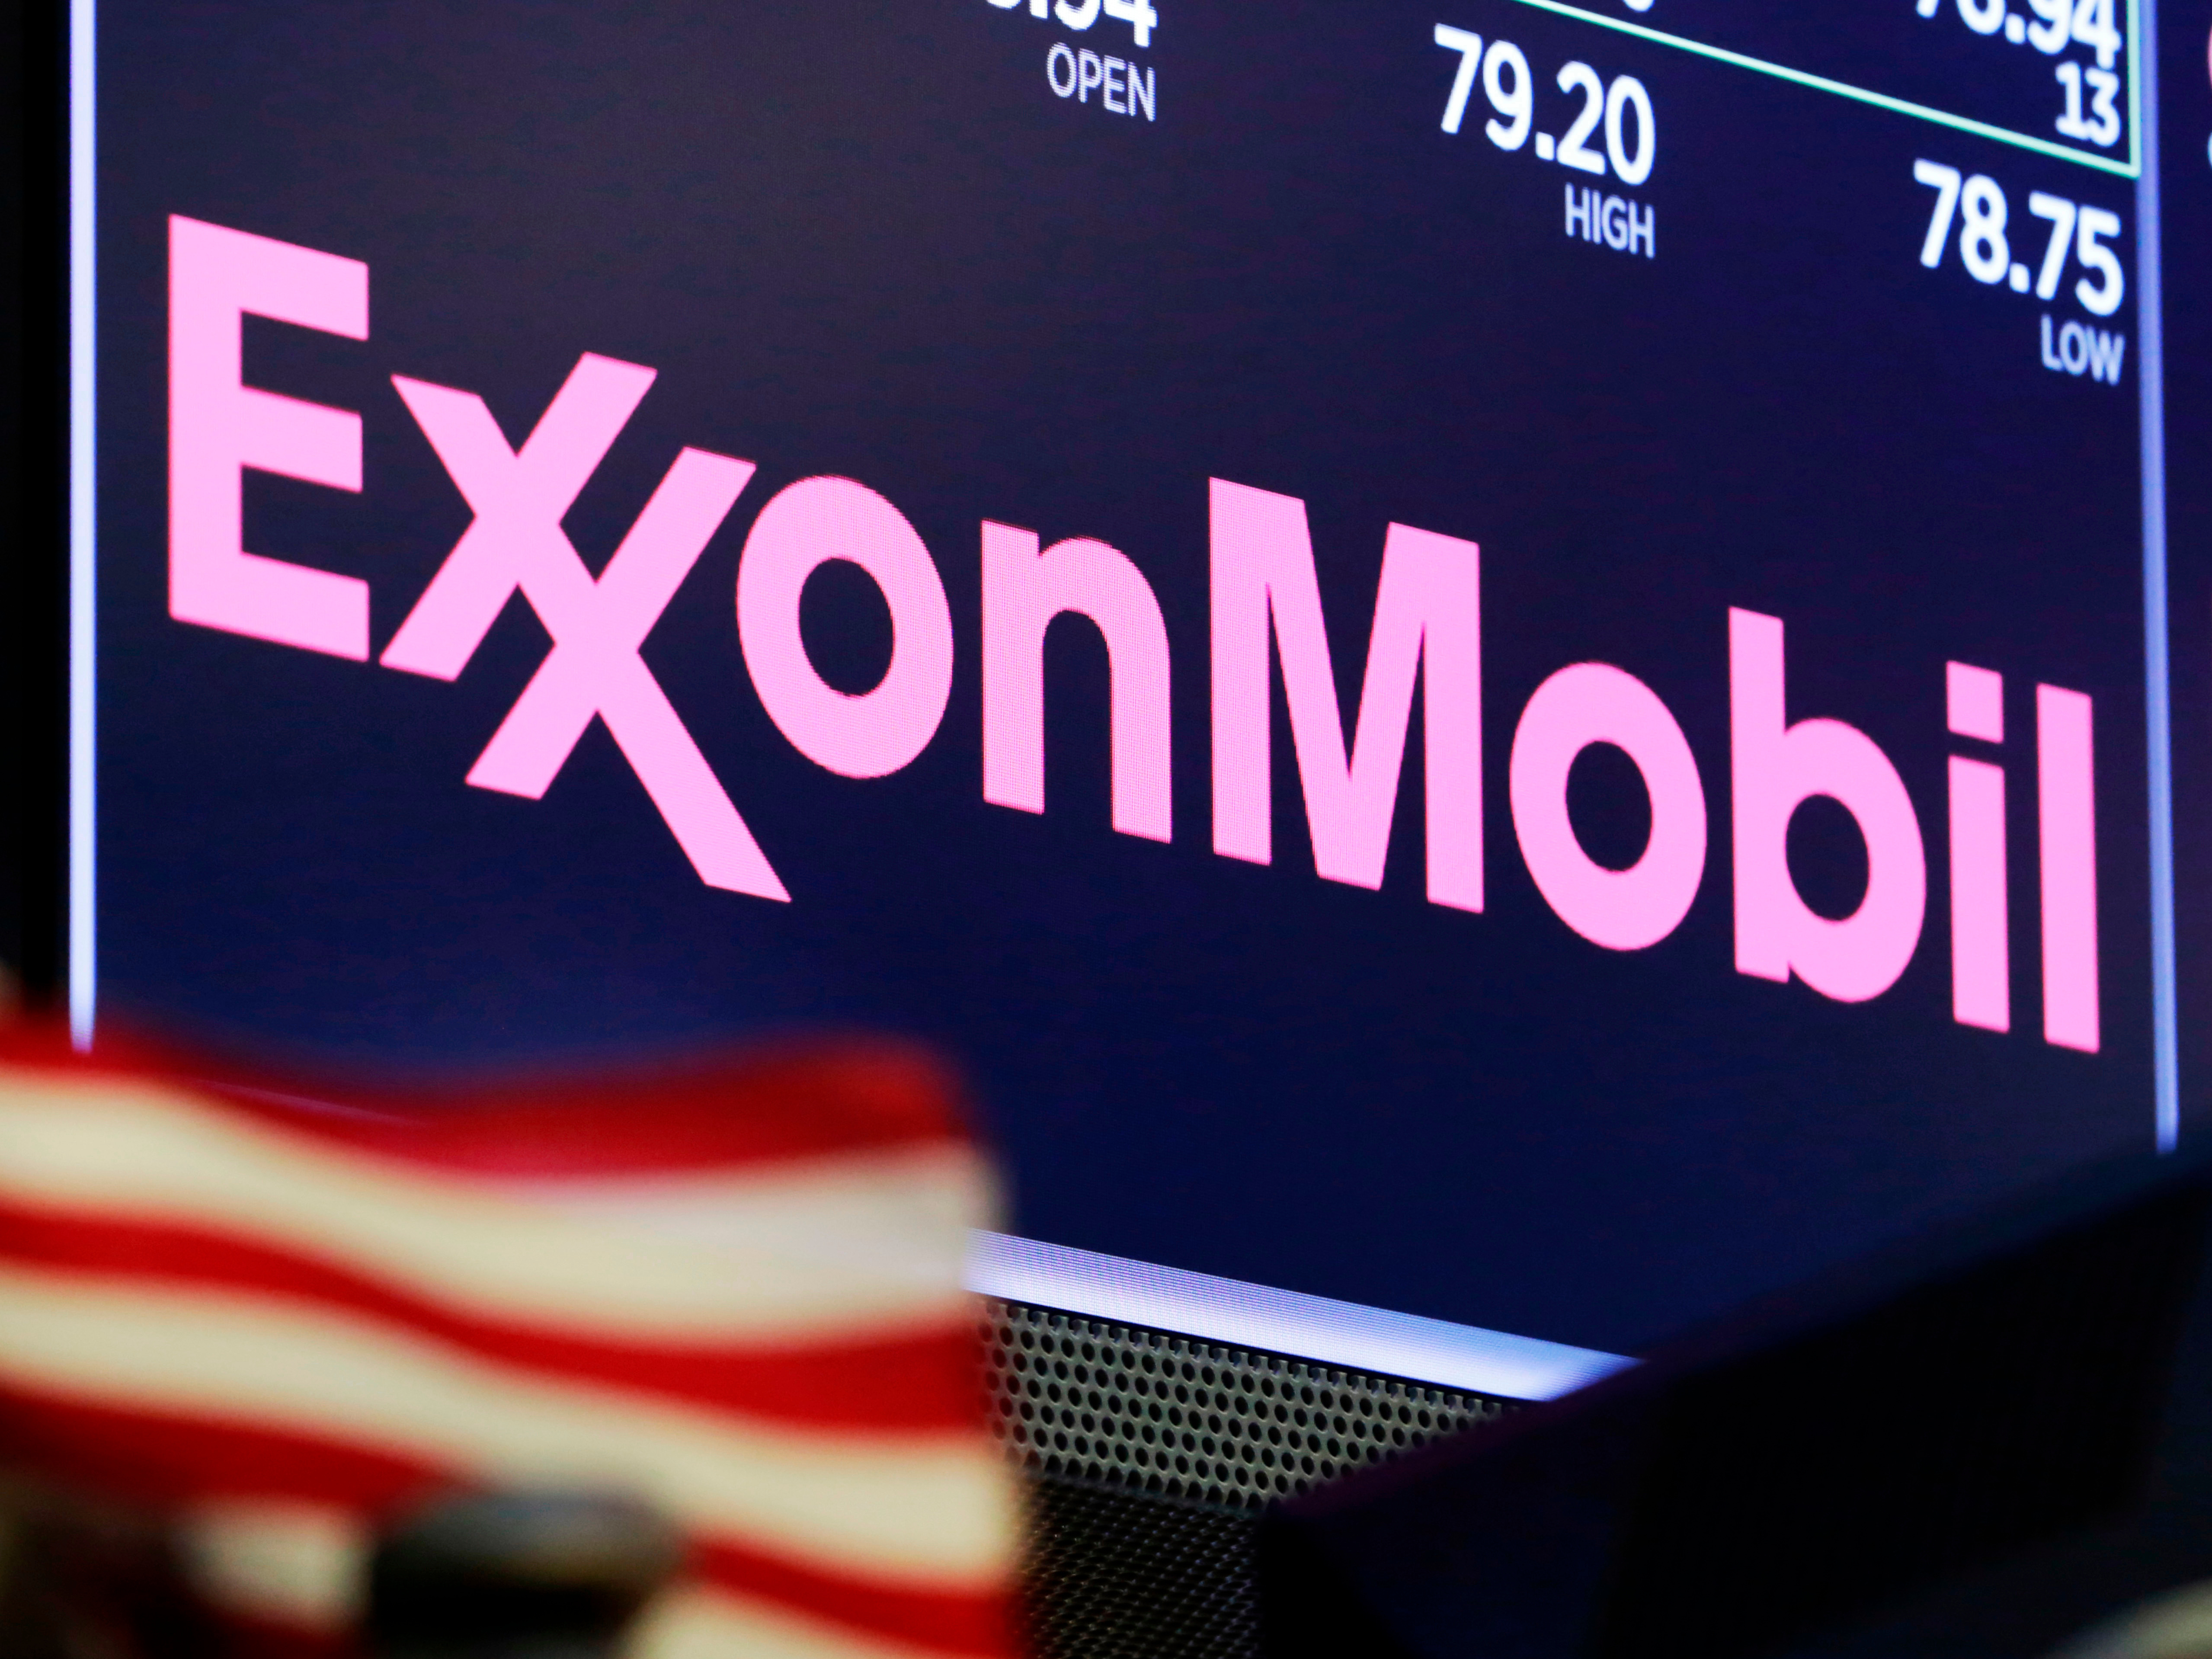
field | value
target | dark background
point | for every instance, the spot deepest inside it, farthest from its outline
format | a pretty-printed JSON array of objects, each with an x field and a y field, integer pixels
[
  {"x": 865, "y": 238},
  {"x": 2186, "y": 118},
  {"x": 34, "y": 490}
]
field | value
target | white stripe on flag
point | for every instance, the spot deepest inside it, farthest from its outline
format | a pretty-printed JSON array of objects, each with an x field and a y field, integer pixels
[
  {"x": 924, "y": 1510},
  {"x": 140, "y": 1154}
]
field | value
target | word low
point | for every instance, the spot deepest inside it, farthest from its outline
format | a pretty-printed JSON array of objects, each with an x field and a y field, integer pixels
[
  {"x": 2077, "y": 349},
  {"x": 1267, "y": 612}
]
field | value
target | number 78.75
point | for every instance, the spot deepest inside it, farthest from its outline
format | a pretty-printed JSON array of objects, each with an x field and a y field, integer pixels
[{"x": 2075, "y": 228}]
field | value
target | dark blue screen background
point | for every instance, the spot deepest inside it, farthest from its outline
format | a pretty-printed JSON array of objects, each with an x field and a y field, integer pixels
[{"x": 864, "y": 238}]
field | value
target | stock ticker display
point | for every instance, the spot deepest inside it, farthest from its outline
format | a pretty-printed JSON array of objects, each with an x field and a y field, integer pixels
[{"x": 1486, "y": 659}]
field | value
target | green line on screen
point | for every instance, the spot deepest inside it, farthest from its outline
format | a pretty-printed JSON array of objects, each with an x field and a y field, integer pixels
[{"x": 2127, "y": 170}]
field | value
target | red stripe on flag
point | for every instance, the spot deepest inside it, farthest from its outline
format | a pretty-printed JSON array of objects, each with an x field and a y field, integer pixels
[
  {"x": 952, "y": 1623},
  {"x": 258, "y": 1639},
  {"x": 164, "y": 1461},
  {"x": 161, "y": 1461},
  {"x": 932, "y": 1380}
]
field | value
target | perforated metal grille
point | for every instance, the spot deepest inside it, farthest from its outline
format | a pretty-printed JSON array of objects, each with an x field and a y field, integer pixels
[
  {"x": 1113, "y": 1574},
  {"x": 1180, "y": 1418}
]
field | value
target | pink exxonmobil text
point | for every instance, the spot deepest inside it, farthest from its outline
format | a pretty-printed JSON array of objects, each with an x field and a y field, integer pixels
[{"x": 1426, "y": 633}]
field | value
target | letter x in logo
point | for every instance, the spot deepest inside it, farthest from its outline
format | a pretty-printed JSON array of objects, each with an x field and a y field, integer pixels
[{"x": 515, "y": 541}]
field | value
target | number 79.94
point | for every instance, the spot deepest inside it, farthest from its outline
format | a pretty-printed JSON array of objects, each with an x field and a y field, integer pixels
[{"x": 1978, "y": 205}]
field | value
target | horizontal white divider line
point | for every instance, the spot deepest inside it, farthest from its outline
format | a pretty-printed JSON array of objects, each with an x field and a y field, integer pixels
[{"x": 1312, "y": 1328}]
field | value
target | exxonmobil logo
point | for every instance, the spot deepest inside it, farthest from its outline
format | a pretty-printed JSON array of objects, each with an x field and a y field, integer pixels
[{"x": 1266, "y": 605}]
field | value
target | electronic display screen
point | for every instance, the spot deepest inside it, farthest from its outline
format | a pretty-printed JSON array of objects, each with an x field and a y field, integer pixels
[{"x": 1486, "y": 659}]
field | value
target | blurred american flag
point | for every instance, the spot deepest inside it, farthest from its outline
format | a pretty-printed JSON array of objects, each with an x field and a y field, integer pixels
[{"x": 732, "y": 1292}]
